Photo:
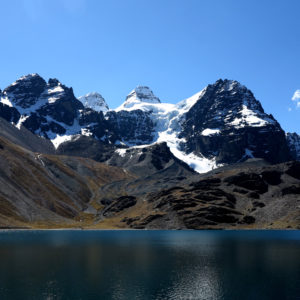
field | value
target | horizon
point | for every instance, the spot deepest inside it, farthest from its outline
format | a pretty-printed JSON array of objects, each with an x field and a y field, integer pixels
[{"x": 175, "y": 48}]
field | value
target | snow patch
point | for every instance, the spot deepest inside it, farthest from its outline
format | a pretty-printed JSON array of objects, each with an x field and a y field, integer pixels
[
  {"x": 21, "y": 120},
  {"x": 86, "y": 132},
  {"x": 250, "y": 118},
  {"x": 121, "y": 152},
  {"x": 208, "y": 131},
  {"x": 59, "y": 139},
  {"x": 53, "y": 94},
  {"x": 6, "y": 101}
]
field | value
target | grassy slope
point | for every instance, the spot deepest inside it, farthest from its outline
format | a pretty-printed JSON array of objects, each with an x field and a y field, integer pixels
[{"x": 39, "y": 190}]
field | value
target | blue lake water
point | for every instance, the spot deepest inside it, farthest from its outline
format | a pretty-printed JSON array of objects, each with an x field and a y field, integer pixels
[{"x": 149, "y": 265}]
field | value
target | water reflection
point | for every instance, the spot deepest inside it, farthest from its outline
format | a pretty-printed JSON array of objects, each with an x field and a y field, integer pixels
[{"x": 149, "y": 265}]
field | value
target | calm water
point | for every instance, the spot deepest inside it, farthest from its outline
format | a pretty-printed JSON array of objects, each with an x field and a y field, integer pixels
[{"x": 150, "y": 265}]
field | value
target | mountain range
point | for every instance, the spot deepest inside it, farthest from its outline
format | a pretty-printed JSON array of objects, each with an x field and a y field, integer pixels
[{"x": 215, "y": 159}]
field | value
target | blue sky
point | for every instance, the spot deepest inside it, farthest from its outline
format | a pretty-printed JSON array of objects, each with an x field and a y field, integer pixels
[{"x": 175, "y": 47}]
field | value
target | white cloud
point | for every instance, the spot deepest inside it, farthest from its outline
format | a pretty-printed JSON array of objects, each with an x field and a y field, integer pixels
[{"x": 296, "y": 96}]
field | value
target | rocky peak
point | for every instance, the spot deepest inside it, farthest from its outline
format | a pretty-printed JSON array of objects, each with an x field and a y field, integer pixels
[
  {"x": 52, "y": 82},
  {"x": 228, "y": 85},
  {"x": 227, "y": 103},
  {"x": 25, "y": 91},
  {"x": 229, "y": 124},
  {"x": 94, "y": 101}
]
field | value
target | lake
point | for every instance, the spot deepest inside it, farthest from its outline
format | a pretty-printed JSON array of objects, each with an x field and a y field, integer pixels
[{"x": 79, "y": 264}]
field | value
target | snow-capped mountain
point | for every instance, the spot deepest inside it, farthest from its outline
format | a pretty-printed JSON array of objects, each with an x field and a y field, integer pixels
[
  {"x": 94, "y": 101},
  {"x": 228, "y": 123},
  {"x": 293, "y": 140},
  {"x": 140, "y": 95},
  {"x": 221, "y": 124},
  {"x": 47, "y": 109}
]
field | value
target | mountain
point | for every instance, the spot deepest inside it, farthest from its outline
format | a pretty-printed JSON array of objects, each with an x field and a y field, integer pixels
[
  {"x": 228, "y": 124},
  {"x": 71, "y": 163},
  {"x": 293, "y": 140},
  {"x": 47, "y": 109},
  {"x": 94, "y": 101},
  {"x": 222, "y": 124}
]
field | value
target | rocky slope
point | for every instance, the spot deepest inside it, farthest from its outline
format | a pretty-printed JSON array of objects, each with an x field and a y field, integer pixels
[
  {"x": 42, "y": 190},
  {"x": 25, "y": 138},
  {"x": 248, "y": 195}
]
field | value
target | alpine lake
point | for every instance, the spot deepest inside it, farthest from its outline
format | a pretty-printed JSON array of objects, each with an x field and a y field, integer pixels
[{"x": 142, "y": 264}]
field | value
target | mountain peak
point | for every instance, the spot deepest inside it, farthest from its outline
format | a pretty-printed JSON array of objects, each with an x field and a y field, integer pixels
[
  {"x": 227, "y": 85},
  {"x": 143, "y": 94},
  {"x": 29, "y": 76},
  {"x": 94, "y": 101},
  {"x": 25, "y": 91},
  {"x": 28, "y": 79}
]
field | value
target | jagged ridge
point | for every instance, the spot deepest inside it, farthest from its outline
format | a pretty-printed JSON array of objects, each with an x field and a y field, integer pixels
[{"x": 222, "y": 124}]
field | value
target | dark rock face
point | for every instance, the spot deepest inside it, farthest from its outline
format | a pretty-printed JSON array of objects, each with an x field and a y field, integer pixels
[
  {"x": 134, "y": 127},
  {"x": 293, "y": 140},
  {"x": 65, "y": 109},
  {"x": 242, "y": 123},
  {"x": 88, "y": 116},
  {"x": 88, "y": 147},
  {"x": 120, "y": 204},
  {"x": 293, "y": 169},
  {"x": 271, "y": 177},
  {"x": 250, "y": 181},
  {"x": 8, "y": 113}
]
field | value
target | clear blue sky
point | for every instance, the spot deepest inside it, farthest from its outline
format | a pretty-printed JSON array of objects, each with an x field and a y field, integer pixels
[{"x": 175, "y": 47}]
